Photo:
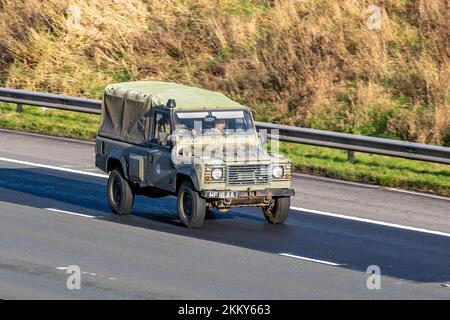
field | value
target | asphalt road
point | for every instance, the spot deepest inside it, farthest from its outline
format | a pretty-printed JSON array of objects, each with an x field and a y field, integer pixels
[{"x": 53, "y": 216}]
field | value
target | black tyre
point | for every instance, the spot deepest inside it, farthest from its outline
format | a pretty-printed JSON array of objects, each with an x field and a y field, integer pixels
[
  {"x": 278, "y": 211},
  {"x": 191, "y": 207},
  {"x": 120, "y": 194}
]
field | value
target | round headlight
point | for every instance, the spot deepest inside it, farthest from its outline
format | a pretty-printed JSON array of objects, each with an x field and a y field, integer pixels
[
  {"x": 216, "y": 173},
  {"x": 277, "y": 172}
]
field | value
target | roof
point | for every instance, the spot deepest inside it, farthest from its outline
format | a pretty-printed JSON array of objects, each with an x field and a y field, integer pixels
[{"x": 186, "y": 98}]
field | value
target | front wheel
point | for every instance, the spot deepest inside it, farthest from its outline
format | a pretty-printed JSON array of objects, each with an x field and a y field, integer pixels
[
  {"x": 191, "y": 207},
  {"x": 278, "y": 210},
  {"x": 120, "y": 194}
]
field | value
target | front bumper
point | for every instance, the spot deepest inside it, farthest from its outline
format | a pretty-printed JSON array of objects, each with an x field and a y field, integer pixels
[{"x": 247, "y": 194}]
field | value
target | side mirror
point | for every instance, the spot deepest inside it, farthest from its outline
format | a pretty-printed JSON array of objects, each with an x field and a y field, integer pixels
[{"x": 171, "y": 103}]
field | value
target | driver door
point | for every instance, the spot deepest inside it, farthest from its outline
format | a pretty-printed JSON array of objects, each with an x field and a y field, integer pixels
[{"x": 161, "y": 163}]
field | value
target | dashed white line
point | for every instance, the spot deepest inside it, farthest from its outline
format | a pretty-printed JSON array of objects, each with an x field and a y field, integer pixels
[
  {"x": 309, "y": 259},
  {"x": 69, "y": 212},
  {"x": 90, "y": 274},
  {"x": 382, "y": 223}
]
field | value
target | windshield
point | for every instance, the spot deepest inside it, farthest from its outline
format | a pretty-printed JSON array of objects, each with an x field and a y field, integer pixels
[{"x": 213, "y": 122}]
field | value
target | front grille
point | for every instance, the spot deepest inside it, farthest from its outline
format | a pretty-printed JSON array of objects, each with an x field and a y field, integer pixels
[{"x": 247, "y": 174}]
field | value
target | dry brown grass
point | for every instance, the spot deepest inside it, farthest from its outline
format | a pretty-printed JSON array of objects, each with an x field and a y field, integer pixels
[{"x": 305, "y": 62}]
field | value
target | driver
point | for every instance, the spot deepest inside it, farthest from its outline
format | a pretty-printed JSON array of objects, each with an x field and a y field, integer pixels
[{"x": 219, "y": 126}]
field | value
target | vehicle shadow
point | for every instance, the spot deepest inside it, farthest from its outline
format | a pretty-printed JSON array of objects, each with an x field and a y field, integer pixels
[{"x": 403, "y": 254}]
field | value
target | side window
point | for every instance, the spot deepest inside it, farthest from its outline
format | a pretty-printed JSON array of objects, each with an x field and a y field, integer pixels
[{"x": 161, "y": 128}]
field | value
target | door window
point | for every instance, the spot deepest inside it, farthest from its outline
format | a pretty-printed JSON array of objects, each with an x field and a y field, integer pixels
[{"x": 161, "y": 128}]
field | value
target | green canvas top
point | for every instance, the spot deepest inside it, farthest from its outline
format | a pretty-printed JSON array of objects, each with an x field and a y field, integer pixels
[{"x": 186, "y": 98}]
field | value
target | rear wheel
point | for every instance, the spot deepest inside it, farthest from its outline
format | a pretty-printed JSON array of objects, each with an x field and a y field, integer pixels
[
  {"x": 191, "y": 207},
  {"x": 120, "y": 194},
  {"x": 278, "y": 211}
]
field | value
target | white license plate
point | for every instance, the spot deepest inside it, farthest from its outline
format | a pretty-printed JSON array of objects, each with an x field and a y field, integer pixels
[{"x": 222, "y": 194}]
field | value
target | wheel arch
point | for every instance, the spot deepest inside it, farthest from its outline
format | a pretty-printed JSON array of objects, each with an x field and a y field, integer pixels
[
  {"x": 186, "y": 173},
  {"x": 117, "y": 159}
]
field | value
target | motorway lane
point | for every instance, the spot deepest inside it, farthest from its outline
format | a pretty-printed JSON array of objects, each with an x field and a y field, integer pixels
[
  {"x": 360, "y": 200},
  {"x": 149, "y": 255}
]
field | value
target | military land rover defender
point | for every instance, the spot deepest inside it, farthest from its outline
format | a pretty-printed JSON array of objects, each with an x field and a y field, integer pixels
[{"x": 159, "y": 138}]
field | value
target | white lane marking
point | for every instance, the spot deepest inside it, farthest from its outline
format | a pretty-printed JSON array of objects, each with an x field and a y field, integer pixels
[
  {"x": 382, "y": 223},
  {"x": 309, "y": 259},
  {"x": 33, "y": 164},
  {"x": 72, "y": 213},
  {"x": 352, "y": 183},
  {"x": 44, "y": 136},
  {"x": 293, "y": 208},
  {"x": 65, "y": 169},
  {"x": 373, "y": 186},
  {"x": 417, "y": 193}
]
